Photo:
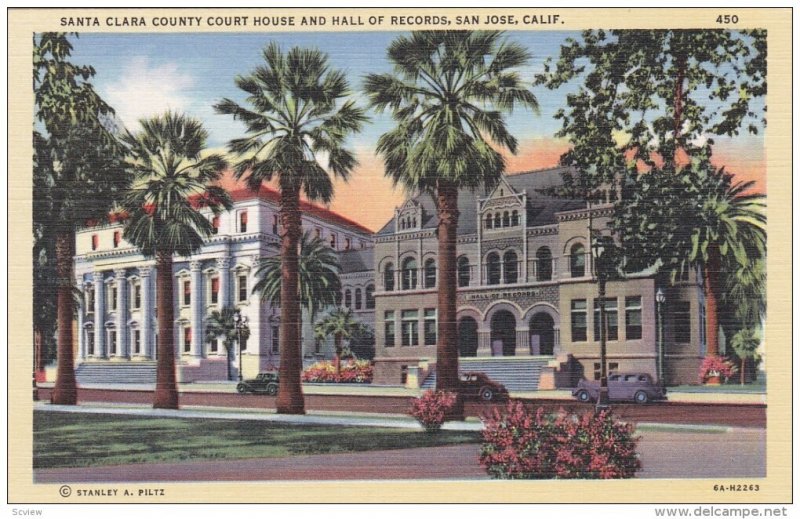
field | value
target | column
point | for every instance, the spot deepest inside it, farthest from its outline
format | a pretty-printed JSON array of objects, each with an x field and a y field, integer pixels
[
  {"x": 122, "y": 314},
  {"x": 556, "y": 340},
  {"x": 196, "y": 308},
  {"x": 523, "y": 342},
  {"x": 224, "y": 268},
  {"x": 99, "y": 313},
  {"x": 484, "y": 343},
  {"x": 81, "y": 331},
  {"x": 147, "y": 312}
]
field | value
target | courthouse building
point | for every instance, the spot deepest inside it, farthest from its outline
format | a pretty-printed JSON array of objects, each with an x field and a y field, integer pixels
[{"x": 117, "y": 318}]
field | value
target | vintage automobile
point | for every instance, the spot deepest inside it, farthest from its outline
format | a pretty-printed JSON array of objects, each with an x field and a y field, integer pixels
[
  {"x": 266, "y": 382},
  {"x": 636, "y": 387},
  {"x": 477, "y": 386}
]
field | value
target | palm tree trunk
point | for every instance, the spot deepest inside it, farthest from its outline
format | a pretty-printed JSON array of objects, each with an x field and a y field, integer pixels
[
  {"x": 711, "y": 281},
  {"x": 447, "y": 343},
  {"x": 337, "y": 361},
  {"x": 166, "y": 394},
  {"x": 229, "y": 357},
  {"x": 65, "y": 391},
  {"x": 290, "y": 394}
]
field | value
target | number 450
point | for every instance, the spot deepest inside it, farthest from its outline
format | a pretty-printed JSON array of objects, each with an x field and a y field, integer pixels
[{"x": 727, "y": 18}]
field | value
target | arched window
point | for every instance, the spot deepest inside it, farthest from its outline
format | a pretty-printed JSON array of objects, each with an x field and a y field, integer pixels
[
  {"x": 514, "y": 218},
  {"x": 388, "y": 277},
  {"x": 544, "y": 264},
  {"x": 506, "y": 220},
  {"x": 402, "y": 224},
  {"x": 488, "y": 221},
  {"x": 348, "y": 298},
  {"x": 358, "y": 299},
  {"x": 463, "y": 271},
  {"x": 409, "y": 274},
  {"x": 493, "y": 269},
  {"x": 370, "y": 293},
  {"x": 510, "y": 266},
  {"x": 497, "y": 221},
  {"x": 577, "y": 261},
  {"x": 430, "y": 273}
]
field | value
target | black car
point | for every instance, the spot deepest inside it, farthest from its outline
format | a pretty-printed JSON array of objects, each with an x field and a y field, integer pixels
[
  {"x": 477, "y": 386},
  {"x": 263, "y": 383}
]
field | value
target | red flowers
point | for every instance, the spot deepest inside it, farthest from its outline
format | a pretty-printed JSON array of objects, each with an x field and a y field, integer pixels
[
  {"x": 353, "y": 372},
  {"x": 521, "y": 445},
  {"x": 714, "y": 366},
  {"x": 431, "y": 408}
]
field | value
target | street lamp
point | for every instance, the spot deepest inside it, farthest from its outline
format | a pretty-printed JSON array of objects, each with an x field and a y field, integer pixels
[
  {"x": 661, "y": 298},
  {"x": 240, "y": 322},
  {"x": 602, "y": 245}
]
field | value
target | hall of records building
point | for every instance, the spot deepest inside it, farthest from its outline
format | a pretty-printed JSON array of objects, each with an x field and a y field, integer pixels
[{"x": 528, "y": 313}]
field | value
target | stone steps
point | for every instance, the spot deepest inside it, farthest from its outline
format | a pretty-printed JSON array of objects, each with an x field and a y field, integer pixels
[
  {"x": 516, "y": 374},
  {"x": 116, "y": 373}
]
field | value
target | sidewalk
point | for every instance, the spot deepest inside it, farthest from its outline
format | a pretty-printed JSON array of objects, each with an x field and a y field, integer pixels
[{"x": 705, "y": 397}]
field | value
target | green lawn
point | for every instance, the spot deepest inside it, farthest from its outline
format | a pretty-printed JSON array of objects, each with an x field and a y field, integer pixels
[{"x": 80, "y": 440}]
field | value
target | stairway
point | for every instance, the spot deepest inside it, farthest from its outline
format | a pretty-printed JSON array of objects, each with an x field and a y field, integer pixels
[
  {"x": 116, "y": 373},
  {"x": 516, "y": 373}
]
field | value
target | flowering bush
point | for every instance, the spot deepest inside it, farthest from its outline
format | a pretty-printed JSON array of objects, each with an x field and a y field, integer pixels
[
  {"x": 355, "y": 372},
  {"x": 519, "y": 444},
  {"x": 431, "y": 408},
  {"x": 714, "y": 366}
]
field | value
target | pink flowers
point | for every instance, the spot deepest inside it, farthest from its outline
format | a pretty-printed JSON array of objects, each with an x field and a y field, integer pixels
[
  {"x": 431, "y": 408},
  {"x": 354, "y": 372},
  {"x": 714, "y": 366},
  {"x": 521, "y": 445}
]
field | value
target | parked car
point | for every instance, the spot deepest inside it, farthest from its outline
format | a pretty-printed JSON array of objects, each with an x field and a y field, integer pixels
[
  {"x": 477, "y": 386},
  {"x": 263, "y": 383},
  {"x": 636, "y": 387}
]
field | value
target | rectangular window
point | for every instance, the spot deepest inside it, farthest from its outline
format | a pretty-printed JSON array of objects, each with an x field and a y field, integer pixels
[
  {"x": 682, "y": 322},
  {"x": 403, "y": 373},
  {"x": 388, "y": 328},
  {"x": 333, "y": 241},
  {"x": 117, "y": 238},
  {"x": 612, "y": 367},
  {"x": 113, "y": 298},
  {"x": 276, "y": 339},
  {"x": 318, "y": 233},
  {"x": 633, "y": 318},
  {"x": 112, "y": 342},
  {"x": 410, "y": 327},
  {"x": 214, "y": 290},
  {"x": 137, "y": 341},
  {"x": 215, "y": 224},
  {"x": 213, "y": 346},
  {"x": 430, "y": 326},
  {"x": 90, "y": 341},
  {"x": 187, "y": 339},
  {"x": 612, "y": 319},
  {"x": 243, "y": 221},
  {"x": 347, "y": 244},
  {"x": 137, "y": 296},
  {"x": 187, "y": 293},
  {"x": 95, "y": 241},
  {"x": 242, "y": 288},
  {"x": 90, "y": 299},
  {"x": 578, "y": 320}
]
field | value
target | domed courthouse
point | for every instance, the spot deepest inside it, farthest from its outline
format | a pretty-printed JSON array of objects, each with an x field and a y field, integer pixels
[{"x": 528, "y": 310}]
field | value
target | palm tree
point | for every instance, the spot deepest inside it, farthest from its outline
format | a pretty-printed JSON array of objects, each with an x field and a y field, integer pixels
[
  {"x": 729, "y": 225},
  {"x": 222, "y": 323},
  {"x": 448, "y": 96},
  {"x": 745, "y": 343},
  {"x": 172, "y": 182},
  {"x": 298, "y": 120},
  {"x": 340, "y": 323}
]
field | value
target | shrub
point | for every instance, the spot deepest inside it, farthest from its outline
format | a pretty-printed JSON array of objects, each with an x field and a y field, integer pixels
[
  {"x": 431, "y": 408},
  {"x": 714, "y": 366},
  {"x": 353, "y": 372},
  {"x": 519, "y": 444}
]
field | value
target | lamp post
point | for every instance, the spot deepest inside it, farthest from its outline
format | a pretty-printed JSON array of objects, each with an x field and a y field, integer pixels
[
  {"x": 601, "y": 245},
  {"x": 660, "y": 300},
  {"x": 240, "y": 322}
]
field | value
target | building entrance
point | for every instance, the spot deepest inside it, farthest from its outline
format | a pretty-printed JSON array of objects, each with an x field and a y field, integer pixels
[
  {"x": 504, "y": 334},
  {"x": 467, "y": 337},
  {"x": 542, "y": 337}
]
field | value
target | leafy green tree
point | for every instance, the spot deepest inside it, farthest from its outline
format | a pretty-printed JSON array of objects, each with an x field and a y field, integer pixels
[
  {"x": 222, "y": 323},
  {"x": 77, "y": 177},
  {"x": 447, "y": 95},
  {"x": 745, "y": 343},
  {"x": 297, "y": 122},
  {"x": 173, "y": 180},
  {"x": 342, "y": 325}
]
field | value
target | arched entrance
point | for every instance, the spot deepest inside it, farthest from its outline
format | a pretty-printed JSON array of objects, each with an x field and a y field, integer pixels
[
  {"x": 543, "y": 337},
  {"x": 504, "y": 335},
  {"x": 467, "y": 337}
]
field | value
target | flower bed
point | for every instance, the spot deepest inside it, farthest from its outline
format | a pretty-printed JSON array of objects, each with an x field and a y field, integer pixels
[
  {"x": 714, "y": 367},
  {"x": 351, "y": 372},
  {"x": 431, "y": 408},
  {"x": 520, "y": 444}
]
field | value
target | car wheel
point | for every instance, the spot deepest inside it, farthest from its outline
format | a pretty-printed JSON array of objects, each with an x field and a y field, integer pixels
[
  {"x": 241, "y": 388},
  {"x": 486, "y": 394},
  {"x": 272, "y": 390},
  {"x": 641, "y": 397},
  {"x": 583, "y": 396}
]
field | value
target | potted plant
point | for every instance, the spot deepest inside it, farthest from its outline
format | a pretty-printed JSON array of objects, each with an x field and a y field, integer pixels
[{"x": 714, "y": 370}]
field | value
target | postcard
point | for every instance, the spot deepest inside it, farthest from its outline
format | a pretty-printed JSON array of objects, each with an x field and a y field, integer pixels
[{"x": 384, "y": 255}]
